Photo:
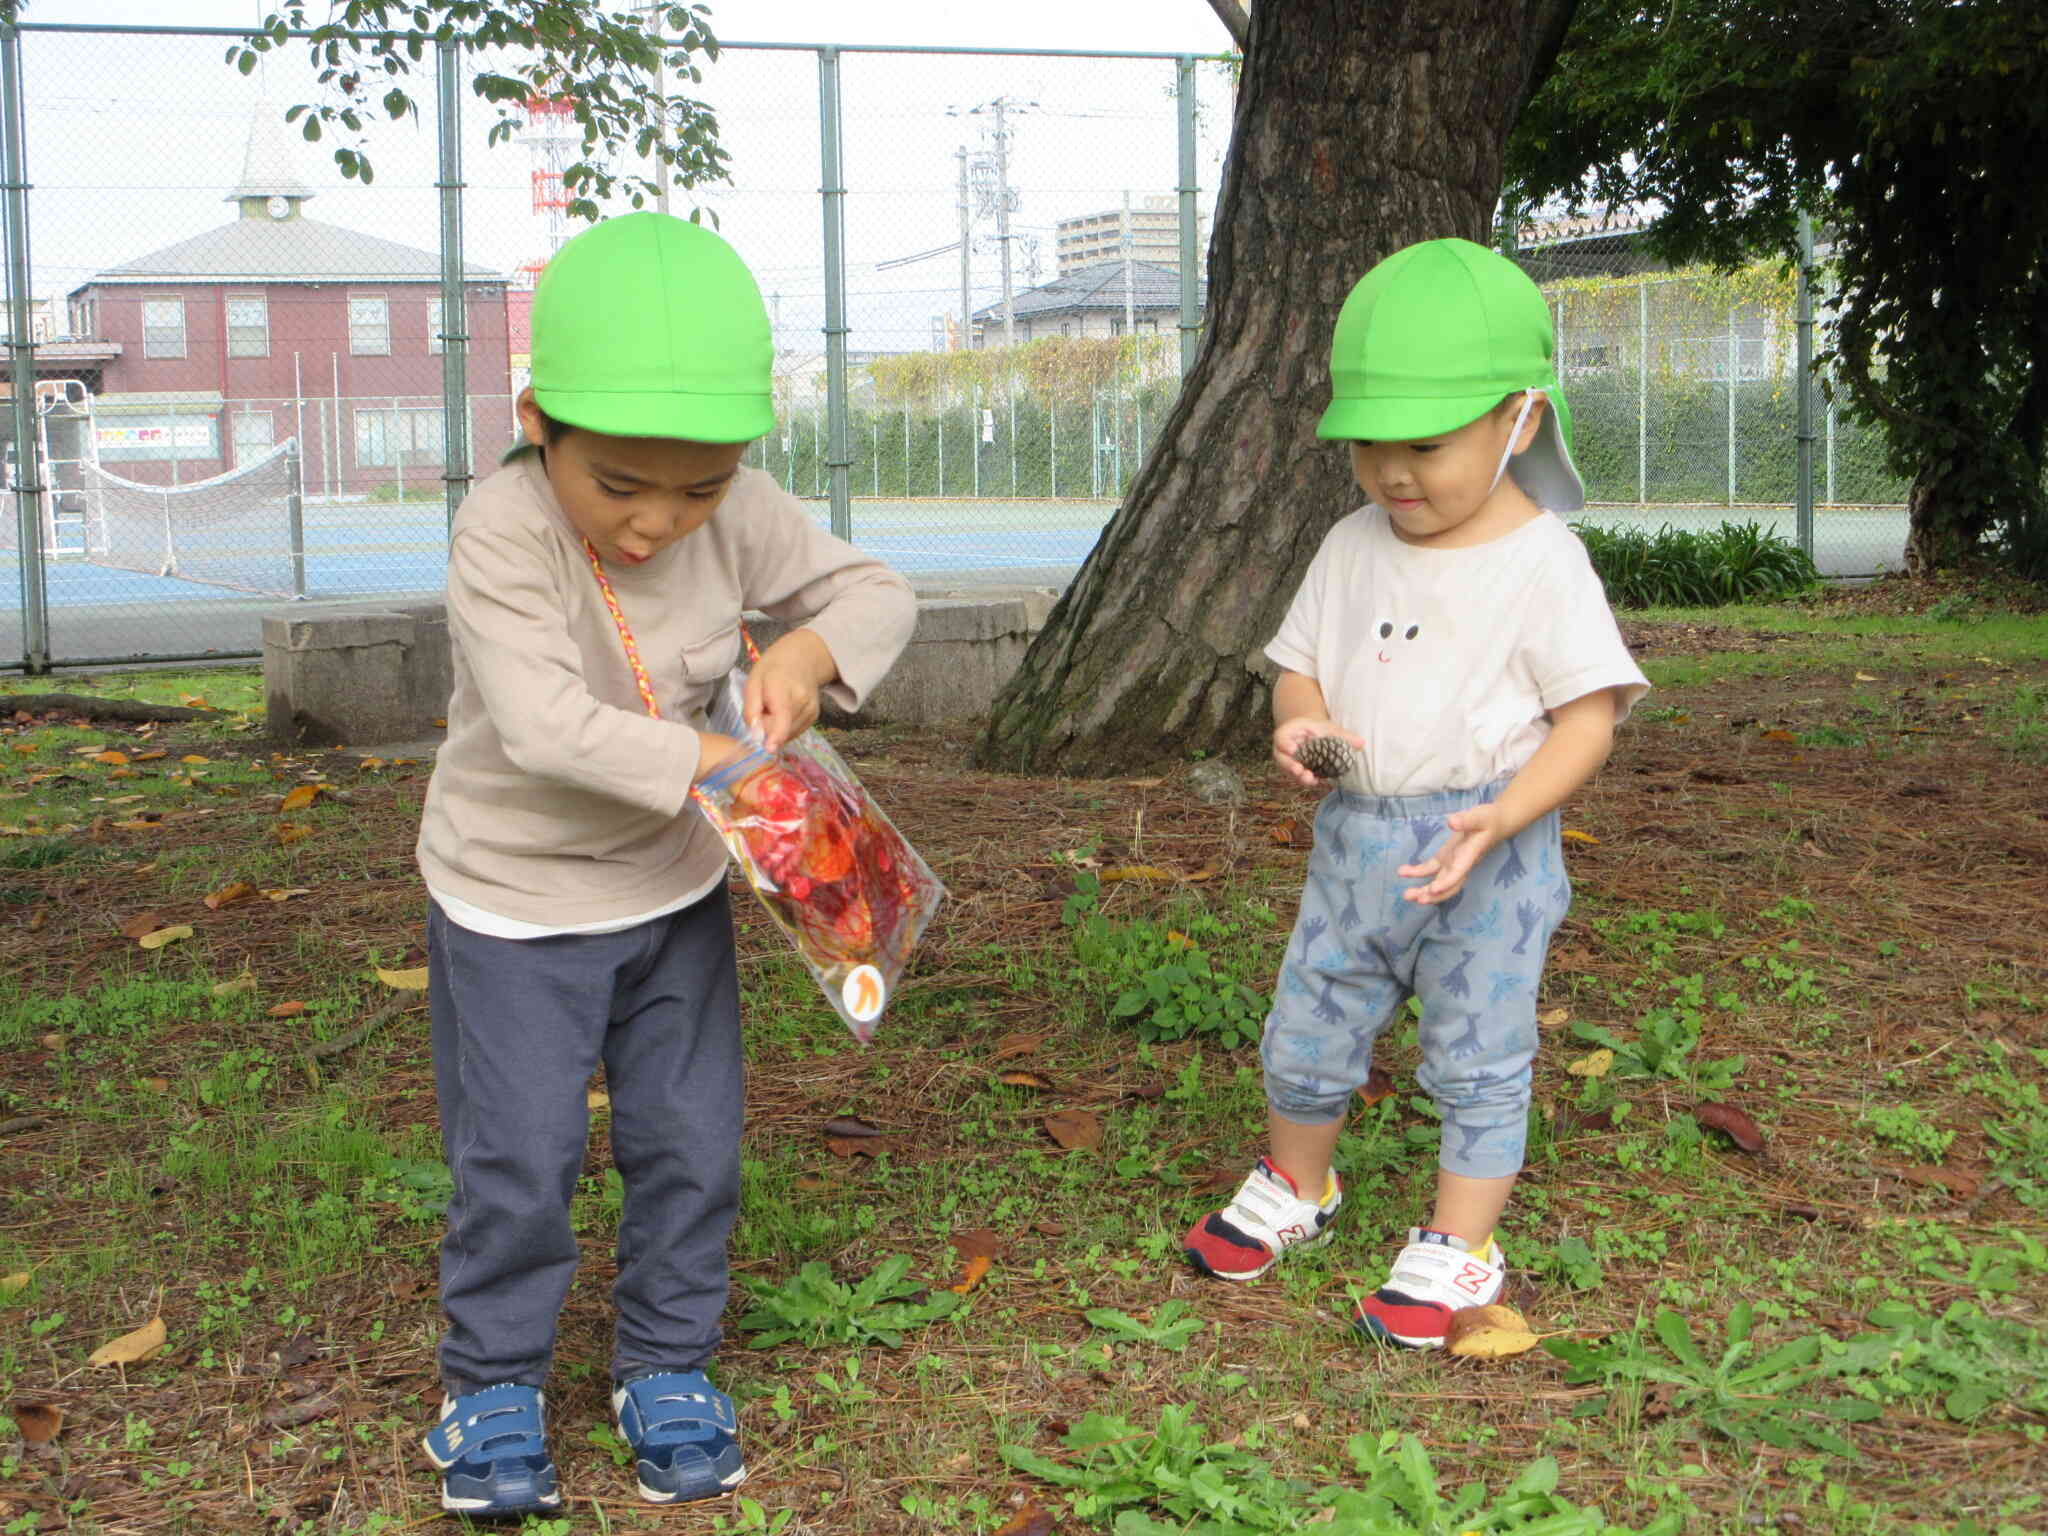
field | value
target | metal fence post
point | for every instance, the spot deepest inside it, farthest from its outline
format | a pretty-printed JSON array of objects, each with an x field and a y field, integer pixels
[
  {"x": 1731, "y": 407},
  {"x": 1804, "y": 491},
  {"x": 1190, "y": 289},
  {"x": 28, "y": 479},
  {"x": 833, "y": 191},
  {"x": 295, "y": 514},
  {"x": 1643, "y": 392},
  {"x": 455, "y": 462}
]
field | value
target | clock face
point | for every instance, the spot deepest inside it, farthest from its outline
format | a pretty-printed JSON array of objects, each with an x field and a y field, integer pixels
[{"x": 279, "y": 207}]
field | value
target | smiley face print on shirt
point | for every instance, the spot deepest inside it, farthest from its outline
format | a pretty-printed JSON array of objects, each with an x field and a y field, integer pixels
[{"x": 1393, "y": 636}]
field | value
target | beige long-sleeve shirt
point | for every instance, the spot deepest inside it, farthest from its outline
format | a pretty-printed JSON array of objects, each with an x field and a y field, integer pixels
[{"x": 557, "y": 799}]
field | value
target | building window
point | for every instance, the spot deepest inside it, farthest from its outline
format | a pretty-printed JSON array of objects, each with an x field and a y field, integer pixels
[
  {"x": 163, "y": 327},
  {"x": 434, "y": 327},
  {"x": 369, "y": 325},
  {"x": 387, "y": 438},
  {"x": 248, "y": 325},
  {"x": 1116, "y": 325},
  {"x": 1149, "y": 323},
  {"x": 255, "y": 434}
]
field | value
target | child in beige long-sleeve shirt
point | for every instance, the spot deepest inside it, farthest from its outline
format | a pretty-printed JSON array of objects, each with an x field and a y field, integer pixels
[{"x": 579, "y": 911}]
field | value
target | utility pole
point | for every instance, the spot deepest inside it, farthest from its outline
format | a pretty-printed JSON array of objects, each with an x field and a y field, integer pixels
[
  {"x": 999, "y": 109},
  {"x": 661, "y": 97},
  {"x": 1003, "y": 220},
  {"x": 966, "y": 258},
  {"x": 1130, "y": 302}
]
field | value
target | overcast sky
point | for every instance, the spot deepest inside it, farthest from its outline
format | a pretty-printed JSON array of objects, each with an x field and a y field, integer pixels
[{"x": 134, "y": 140}]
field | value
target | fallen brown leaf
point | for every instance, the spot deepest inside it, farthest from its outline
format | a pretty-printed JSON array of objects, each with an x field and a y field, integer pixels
[
  {"x": 1021, "y": 1079},
  {"x": 857, "y": 1146},
  {"x": 38, "y": 1422},
  {"x": 1289, "y": 833},
  {"x": 112, "y": 758},
  {"x": 850, "y": 1126},
  {"x": 1732, "y": 1123},
  {"x": 228, "y": 895},
  {"x": 285, "y": 833},
  {"x": 1594, "y": 1064},
  {"x": 235, "y": 988},
  {"x": 971, "y": 1274},
  {"x": 165, "y": 936},
  {"x": 976, "y": 1243},
  {"x": 290, "y": 1010},
  {"x": 1574, "y": 835},
  {"x": 1377, "y": 1086},
  {"x": 131, "y": 1348},
  {"x": 1136, "y": 872},
  {"x": 1077, "y": 1130},
  {"x": 412, "y": 979},
  {"x": 1016, "y": 1043},
  {"x": 1028, "y": 1521},
  {"x": 300, "y": 797},
  {"x": 1489, "y": 1333},
  {"x": 141, "y": 923}
]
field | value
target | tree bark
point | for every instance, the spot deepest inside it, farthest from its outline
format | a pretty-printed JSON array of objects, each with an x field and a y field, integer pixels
[{"x": 1359, "y": 129}]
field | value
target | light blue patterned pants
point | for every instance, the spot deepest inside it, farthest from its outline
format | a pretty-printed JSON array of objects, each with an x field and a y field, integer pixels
[{"x": 1359, "y": 952}]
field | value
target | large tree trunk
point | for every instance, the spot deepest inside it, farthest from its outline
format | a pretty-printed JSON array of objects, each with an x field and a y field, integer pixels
[{"x": 1361, "y": 127}]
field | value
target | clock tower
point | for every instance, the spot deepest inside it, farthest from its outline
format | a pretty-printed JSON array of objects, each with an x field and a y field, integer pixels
[{"x": 270, "y": 190}]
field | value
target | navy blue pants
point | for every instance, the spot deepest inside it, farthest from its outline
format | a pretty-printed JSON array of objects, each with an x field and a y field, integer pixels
[{"x": 519, "y": 1026}]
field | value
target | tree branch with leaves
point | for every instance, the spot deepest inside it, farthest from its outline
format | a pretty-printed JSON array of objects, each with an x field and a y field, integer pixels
[{"x": 603, "y": 62}]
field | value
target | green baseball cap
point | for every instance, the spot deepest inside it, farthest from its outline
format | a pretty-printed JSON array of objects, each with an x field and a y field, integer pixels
[
  {"x": 651, "y": 326},
  {"x": 1434, "y": 337}
]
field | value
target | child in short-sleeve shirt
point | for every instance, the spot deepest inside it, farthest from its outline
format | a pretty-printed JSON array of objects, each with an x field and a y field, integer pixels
[{"x": 1454, "y": 636}]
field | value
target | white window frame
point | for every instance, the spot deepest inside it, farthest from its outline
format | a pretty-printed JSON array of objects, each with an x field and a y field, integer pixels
[
  {"x": 360, "y": 335},
  {"x": 249, "y": 443},
  {"x": 435, "y": 346},
  {"x": 163, "y": 348},
  {"x": 240, "y": 346}
]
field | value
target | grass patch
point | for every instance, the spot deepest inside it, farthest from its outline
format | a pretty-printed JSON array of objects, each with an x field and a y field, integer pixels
[{"x": 1836, "y": 1334}]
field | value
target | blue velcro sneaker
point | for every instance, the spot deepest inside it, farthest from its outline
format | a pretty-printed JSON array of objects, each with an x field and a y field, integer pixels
[
  {"x": 492, "y": 1449},
  {"x": 684, "y": 1436}
]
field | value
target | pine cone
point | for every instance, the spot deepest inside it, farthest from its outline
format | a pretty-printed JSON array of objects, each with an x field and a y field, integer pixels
[{"x": 1327, "y": 757}]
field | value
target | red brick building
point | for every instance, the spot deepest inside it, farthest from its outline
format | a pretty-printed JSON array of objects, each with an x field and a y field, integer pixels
[{"x": 277, "y": 325}]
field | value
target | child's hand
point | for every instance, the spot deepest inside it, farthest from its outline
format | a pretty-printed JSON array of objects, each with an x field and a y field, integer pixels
[
  {"x": 1289, "y": 735},
  {"x": 714, "y": 751},
  {"x": 782, "y": 690},
  {"x": 1473, "y": 832}
]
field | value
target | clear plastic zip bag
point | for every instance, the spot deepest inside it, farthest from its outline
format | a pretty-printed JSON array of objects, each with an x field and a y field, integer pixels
[{"x": 830, "y": 868}]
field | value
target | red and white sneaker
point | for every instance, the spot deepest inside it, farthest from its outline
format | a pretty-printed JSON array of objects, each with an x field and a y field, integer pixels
[
  {"x": 1436, "y": 1275},
  {"x": 1265, "y": 1218}
]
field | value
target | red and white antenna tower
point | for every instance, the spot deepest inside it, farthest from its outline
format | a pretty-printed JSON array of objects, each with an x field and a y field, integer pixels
[{"x": 554, "y": 141}]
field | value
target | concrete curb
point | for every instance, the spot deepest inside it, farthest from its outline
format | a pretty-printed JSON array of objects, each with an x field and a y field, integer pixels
[{"x": 369, "y": 672}]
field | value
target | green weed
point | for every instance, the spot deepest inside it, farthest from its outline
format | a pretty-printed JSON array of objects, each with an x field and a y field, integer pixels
[{"x": 814, "y": 1308}]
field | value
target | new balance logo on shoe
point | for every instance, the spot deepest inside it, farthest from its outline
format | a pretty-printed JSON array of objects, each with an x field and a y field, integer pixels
[{"x": 1472, "y": 1278}]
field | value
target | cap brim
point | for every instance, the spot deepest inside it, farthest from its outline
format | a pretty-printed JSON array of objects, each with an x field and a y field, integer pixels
[
  {"x": 690, "y": 418},
  {"x": 1402, "y": 421}
]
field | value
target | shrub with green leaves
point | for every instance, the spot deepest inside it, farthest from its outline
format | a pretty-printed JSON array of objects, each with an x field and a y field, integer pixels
[
  {"x": 1127, "y": 1478},
  {"x": 815, "y": 1308},
  {"x": 1161, "y": 977},
  {"x": 1680, "y": 568},
  {"x": 1735, "y": 1391}
]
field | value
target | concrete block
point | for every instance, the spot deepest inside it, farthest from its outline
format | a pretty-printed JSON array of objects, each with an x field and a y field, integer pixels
[
  {"x": 961, "y": 653},
  {"x": 355, "y": 672},
  {"x": 362, "y": 673}
]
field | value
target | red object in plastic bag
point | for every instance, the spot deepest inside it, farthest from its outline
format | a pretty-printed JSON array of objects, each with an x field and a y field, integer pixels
[{"x": 828, "y": 866}]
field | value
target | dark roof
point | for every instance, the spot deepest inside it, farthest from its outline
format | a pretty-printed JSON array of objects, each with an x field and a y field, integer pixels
[
  {"x": 1099, "y": 285},
  {"x": 294, "y": 250}
]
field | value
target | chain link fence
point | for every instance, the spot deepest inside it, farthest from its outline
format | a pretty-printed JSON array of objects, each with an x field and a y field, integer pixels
[
  {"x": 983, "y": 271},
  {"x": 1683, "y": 388}
]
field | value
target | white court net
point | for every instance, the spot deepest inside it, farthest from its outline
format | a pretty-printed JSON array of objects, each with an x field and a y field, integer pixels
[{"x": 235, "y": 530}]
